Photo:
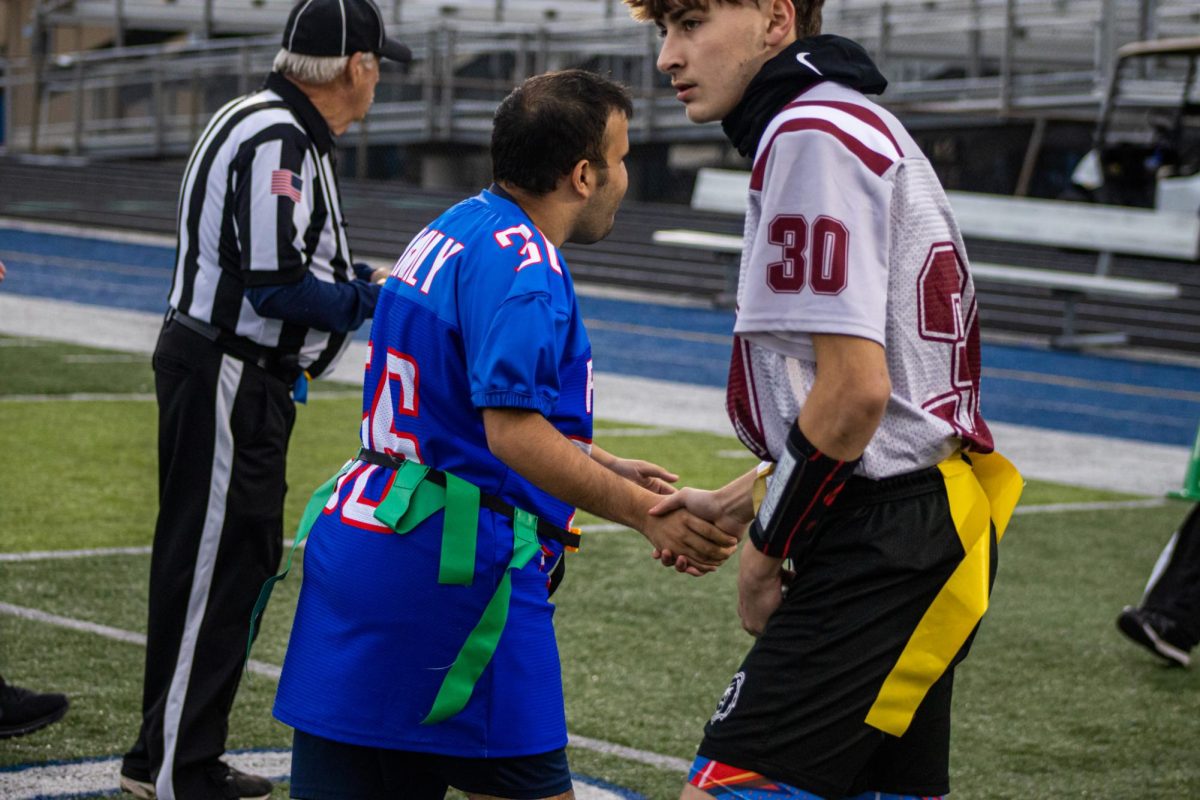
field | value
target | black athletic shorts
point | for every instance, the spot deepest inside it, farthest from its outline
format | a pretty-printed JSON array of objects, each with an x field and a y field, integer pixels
[
  {"x": 795, "y": 710},
  {"x": 323, "y": 769}
]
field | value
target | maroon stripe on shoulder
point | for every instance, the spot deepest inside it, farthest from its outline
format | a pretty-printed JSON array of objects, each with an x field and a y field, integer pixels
[
  {"x": 861, "y": 113},
  {"x": 876, "y": 162}
]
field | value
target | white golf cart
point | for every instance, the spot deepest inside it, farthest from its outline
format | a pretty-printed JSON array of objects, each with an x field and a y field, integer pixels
[{"x": 1146, "y": 148}]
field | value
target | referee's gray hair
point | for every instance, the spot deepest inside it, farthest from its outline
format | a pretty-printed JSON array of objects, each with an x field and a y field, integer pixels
[{"x": 313, "y": 70}]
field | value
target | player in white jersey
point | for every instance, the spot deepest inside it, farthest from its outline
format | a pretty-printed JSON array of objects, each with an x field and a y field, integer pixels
[{"x": 855, "y": 377}]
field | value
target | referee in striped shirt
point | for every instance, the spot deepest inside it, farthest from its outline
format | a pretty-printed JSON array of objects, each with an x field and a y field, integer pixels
[{"x": 265, "y": 295}]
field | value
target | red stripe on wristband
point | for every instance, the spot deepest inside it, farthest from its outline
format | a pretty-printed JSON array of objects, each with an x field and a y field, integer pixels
[{"x": 818, "y": 495}]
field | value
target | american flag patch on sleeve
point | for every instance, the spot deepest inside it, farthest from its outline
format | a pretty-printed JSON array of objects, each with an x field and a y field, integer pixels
[{"x": 287, "y": 183}]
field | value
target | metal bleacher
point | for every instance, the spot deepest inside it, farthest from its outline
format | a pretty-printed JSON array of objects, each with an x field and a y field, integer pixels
[
  {"x": 1002, "y": 58},
  {"x": 264, "y": 16},
  {"x": 141, "y": 197},
  {"x": 1045, "y": 59}
]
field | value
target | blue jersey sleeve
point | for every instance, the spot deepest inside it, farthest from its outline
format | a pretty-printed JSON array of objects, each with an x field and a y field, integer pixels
[{"x": 516, "y": 359}]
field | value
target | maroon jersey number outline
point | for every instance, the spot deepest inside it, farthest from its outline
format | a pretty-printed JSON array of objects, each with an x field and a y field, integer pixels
[
  {"x": 820, "y": 263},
  {"x": 941, "y": 317}
]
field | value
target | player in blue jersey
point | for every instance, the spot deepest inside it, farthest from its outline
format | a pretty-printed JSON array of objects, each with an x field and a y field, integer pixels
[{"x": 422, "y": 654}]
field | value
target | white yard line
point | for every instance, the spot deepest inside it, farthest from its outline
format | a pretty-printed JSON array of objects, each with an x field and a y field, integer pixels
[
  {"x": 104, "y": 358},
  {"x": 49, "y": 555},
  {"x": 599, "y": 527},
  {"x": 108, "y": 632},
  {"x": 604, "y": 527},
  {"x": 100, "y": 776},
  {"x": 631, "y": 432},
  {"x": 77, "y": 397},
  {"x": 629, "y": 753},
  {"x": 96, "y": 552},
  {"x": 1098, "y": 505},
  {"x": 315, "y": 395},
  {"x": 65, "y": 780}
]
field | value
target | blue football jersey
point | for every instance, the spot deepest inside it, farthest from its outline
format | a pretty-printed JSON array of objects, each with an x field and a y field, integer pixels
[{"x": 479, "y": 312}]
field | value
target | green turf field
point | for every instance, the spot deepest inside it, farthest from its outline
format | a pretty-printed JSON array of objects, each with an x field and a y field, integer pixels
[{"x": 1051, "y": 703}]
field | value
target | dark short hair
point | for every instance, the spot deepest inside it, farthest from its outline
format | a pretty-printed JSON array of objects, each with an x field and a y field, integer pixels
[
  {"x": 808, "y": 12},
  {"x": 550, "y": 123}
]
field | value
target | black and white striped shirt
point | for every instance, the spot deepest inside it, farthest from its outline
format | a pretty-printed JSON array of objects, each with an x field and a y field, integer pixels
[{"x": 260, "y": 206}]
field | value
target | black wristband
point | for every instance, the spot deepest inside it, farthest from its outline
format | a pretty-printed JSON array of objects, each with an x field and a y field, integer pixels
[{"x": 804, "y": 486}]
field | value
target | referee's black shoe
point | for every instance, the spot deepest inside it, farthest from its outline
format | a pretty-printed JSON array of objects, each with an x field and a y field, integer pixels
[
  {"x": 237, "y": 784},
  {"x": 23, "y": 711},
  {"x": 230, "y": 783},
  {"x": 1156, "y": 633}
]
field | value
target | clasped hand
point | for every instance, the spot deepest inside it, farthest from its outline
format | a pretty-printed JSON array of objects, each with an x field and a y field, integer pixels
[{"x": 709, "y": 511}]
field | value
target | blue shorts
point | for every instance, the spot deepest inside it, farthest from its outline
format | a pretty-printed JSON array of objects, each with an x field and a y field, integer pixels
[{"x": 323, "y": 769}]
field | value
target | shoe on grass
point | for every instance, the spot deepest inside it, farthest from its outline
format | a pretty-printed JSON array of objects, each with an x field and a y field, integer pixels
[
  {"x": 139, "y": 783},
  {"x": 23, "y": 711},
  {"x": 231, "y": 783},
  {"x": 237, "y": 784},
  {"x": 1156, "y": 633}
]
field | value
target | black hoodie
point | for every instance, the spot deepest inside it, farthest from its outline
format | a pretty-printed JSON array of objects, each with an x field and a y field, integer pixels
[{"x": 805, "y": 63}]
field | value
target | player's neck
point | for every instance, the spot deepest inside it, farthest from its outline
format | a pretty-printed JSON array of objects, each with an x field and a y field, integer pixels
[
  {"x": 331, "y": 103},
  {"x": 552, "y": 216}
]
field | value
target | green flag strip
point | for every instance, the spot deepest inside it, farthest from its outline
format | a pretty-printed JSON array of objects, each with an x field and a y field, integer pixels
[
  {"x": 311, "y": 511},
  {"x": 481, "y": 644},
  {"x": 409, "y": 501},
  {"x": 460, "y": 528}
]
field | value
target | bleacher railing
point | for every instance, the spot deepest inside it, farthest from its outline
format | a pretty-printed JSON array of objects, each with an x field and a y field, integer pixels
[
  {"x": 263, "y": 16},
  {"x": 999, "y": 57}
]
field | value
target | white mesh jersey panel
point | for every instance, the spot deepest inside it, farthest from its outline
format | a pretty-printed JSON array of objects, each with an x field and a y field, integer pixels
[{"x": 836, "y": 155}]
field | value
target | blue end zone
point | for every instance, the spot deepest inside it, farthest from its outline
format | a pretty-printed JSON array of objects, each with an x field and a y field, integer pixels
[{"x": 1021, "y": 385}]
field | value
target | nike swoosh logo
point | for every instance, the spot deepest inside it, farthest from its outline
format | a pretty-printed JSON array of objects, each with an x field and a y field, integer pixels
[{"x": 803, "y": 59}]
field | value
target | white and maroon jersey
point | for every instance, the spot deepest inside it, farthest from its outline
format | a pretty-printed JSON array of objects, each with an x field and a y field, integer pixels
[{"x": 848, "y": 232}]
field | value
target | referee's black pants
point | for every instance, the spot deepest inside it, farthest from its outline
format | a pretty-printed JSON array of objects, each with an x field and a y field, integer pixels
[{"x": 223, "y": 429}]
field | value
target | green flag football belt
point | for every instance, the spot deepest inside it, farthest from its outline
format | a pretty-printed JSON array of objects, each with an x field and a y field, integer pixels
[
  {"x": 415, "y": 493},
  {"x": 569, "y": 538}
]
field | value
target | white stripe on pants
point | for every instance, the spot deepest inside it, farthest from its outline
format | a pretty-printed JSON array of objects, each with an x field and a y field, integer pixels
[{"x": 210, "y": 538}]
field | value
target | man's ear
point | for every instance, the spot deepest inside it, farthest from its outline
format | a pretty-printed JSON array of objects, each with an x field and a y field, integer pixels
[
  {"x": 781, "y": 22},
  {"x": 583, "y": 178},
  {"x": 354, "y": 66}
]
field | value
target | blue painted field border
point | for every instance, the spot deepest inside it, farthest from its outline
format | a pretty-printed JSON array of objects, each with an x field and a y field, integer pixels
[{"x": 1068, "y": 391}]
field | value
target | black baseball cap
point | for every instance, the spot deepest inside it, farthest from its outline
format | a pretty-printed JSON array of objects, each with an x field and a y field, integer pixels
[{"x": 340, "y": 28}]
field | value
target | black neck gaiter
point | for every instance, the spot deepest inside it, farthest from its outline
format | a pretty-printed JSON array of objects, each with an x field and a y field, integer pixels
[{"x": 805, "y": 63}]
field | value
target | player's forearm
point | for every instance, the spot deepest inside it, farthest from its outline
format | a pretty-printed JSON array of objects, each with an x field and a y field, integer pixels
[
  {"x": 529, "y": 444},
  {"x": 602, "y": 456},
  {"x": 756, "y": 567},
  {"x": 736, "y": 498},
  {"x": 839, "y": 428}
]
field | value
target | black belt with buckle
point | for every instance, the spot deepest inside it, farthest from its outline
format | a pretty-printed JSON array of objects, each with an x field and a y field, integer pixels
[{"x": 284, "y": 366}]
